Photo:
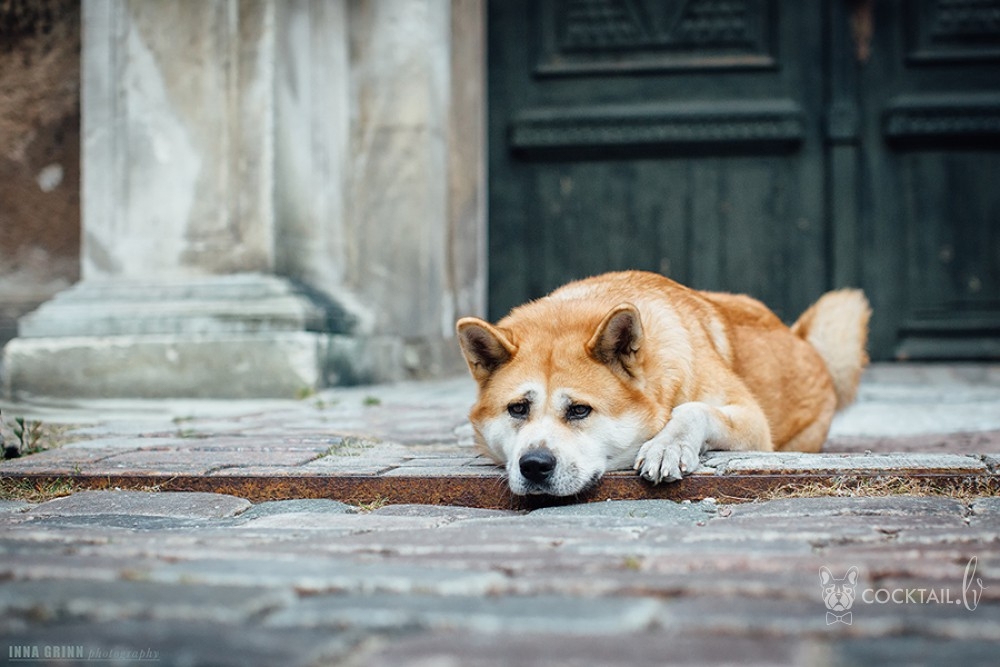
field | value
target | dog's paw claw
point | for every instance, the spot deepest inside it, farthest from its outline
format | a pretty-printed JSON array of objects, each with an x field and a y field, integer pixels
[
  {"x": 674, "y": 451},
  {"x": 668, "y": 462}
]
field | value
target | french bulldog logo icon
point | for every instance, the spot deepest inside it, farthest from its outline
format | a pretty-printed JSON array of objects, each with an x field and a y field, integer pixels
[{"x": 838, "y": 594}]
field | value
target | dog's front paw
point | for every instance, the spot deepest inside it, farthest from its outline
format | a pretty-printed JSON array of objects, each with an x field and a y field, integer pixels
[{"x": 674, "y": 451}]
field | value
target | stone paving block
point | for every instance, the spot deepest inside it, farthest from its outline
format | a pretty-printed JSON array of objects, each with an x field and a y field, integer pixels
[
  {"x": 791, "y": 508},
  {"x": 302, "y": 506},
  {"x": 200, "y": 461},
  {"x": 405, "y": 470},
  {"x": 112, "y": 425},
  {"x": 45, "y": 562},
  {"x": 253, "y": 443},
  {"x": 752, "y": 536},
  {"x": 329, "y": 574},
  {"x": 545, "y": 528},
  {"x": 119, "y": 443},
  {"x": 978, "y": 442},
  {"x": 910, "y": 650},
  {"x": 957, "y": 537},
  {"x": 770, "y": 463},
  {"x": 438, "y": 462},
  {"x": 120, "y": 600},
  {"x": 446, "y": 512},
  {"x": 709, "y": 543},
  {"x": 742, "y": 614},
  {"x": 265, "y": 472},
  {"x": 485, "y": 541},
  {"x": 382, "y": 461},
  {"x": 945, "y": 621},
  {"x": 664, "y": 577},
  {"x": 60, "y": 461},
  {"x": 823, "y": 531},
  {"x": 985, "y": 509},
  {"x": 431, "y": 453},
  {"x": 140, "y": 503},
  {"x": 14, "y": 506},
  {"x": 650, "y": 511},
  {"x": 486, "y": 462},
  {"x": 358, "y": 523},
  {"x": 111, "y": 522},
  {"x": 734, "y": 575},
  {"x": 525, "y": 615},
  {"x": 654, "y": 648}
]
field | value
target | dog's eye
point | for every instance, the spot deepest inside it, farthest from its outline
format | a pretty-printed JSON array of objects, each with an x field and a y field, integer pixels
[
  {"x": 519, "y": 410},
  {"x": 578, "y": 411}
]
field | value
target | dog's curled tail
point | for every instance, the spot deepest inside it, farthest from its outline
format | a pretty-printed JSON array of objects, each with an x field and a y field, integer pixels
[{"x": 837, "y": 326}]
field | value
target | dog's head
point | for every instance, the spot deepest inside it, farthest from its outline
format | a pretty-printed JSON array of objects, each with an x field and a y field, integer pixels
[
  {"x": 838, "y": 594},
  {"x": 560, "y": 394}
]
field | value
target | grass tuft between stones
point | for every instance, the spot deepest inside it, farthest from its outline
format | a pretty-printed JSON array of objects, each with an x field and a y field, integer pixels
[
  {"x": 879, "y": 486},
  {"x": 23, "y": 437},
  {"x": 36, "y": 491}
]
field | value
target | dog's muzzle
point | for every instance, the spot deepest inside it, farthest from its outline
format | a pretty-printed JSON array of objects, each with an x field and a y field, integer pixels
[{"x": 542, "y": 474}]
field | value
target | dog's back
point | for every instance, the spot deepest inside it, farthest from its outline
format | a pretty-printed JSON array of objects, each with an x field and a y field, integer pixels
[{"x": 800, "y": 375}]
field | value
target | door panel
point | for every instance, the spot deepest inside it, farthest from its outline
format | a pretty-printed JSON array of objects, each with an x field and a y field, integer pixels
[
  {"x": 932, "y": 116},
  {"x": 679, "y": 137}
]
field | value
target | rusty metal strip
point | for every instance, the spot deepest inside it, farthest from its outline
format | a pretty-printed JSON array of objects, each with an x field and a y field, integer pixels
[{"x": 490, "y": 490}]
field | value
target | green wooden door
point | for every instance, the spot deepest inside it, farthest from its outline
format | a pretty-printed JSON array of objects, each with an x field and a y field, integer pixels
[
  {"x": 928, "y": 168},
  {"x": 730, "y": 145}
]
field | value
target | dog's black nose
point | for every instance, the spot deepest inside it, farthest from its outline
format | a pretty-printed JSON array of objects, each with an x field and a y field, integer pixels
[{"x": 537, "y": 465}]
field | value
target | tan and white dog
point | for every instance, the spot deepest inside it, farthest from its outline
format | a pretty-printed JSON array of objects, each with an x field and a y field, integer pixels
[{"x": 632, "y": 369}]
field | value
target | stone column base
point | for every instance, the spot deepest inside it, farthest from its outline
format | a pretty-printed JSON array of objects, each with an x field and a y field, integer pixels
[{"x": 237, "y": 336}]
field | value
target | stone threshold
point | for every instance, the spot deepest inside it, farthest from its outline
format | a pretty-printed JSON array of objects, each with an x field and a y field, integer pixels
[{"x": 725, "y": 476}]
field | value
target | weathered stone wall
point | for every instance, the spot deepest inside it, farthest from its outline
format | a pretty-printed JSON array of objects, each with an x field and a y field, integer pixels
[
  {"x": 39, "y": 154},
  {"x": 177, "y": 126},
  {"x": 246, "y": 159},
  {"x": 380, "y": 145}
]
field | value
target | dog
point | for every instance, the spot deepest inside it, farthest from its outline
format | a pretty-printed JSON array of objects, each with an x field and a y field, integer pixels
[{"x": 633, "y": 370}]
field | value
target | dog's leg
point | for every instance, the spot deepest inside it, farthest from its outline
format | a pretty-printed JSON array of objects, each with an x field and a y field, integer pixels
[{"x": 696, "y": 427}]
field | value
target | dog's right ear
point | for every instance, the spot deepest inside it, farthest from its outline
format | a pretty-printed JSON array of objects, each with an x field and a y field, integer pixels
[
  {"x": 825, "y": 576},
  {"x": 486, "y": 348},
  {"x": 617, "y": 341}
]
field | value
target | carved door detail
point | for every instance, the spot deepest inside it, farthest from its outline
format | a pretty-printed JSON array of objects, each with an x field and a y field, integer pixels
[{"x": 582, "y": 36}]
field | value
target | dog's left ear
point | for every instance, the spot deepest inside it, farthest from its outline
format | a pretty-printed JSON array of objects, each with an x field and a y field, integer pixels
[
  {"x": 618, "y": 340},
  {"x": 486, "y": 347},
  {"x": 852, "y": 576}
]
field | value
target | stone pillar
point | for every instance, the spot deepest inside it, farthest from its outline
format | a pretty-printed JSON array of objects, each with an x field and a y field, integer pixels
[{"x": 277, "y": 196}]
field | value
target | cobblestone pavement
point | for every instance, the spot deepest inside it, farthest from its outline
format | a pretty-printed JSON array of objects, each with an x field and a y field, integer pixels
[
  {"x": 207, "y": 579},
  {"x": 130, "y": 577}
]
